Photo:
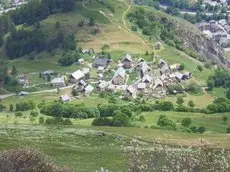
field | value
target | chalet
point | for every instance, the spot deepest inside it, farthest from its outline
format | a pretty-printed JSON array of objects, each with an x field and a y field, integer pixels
[
  {"x": 127, "y": 61},
  {"x": 187, "y": 75},
  {"x": 22, "y": 79},
  {"x": 85, "y": 70},
  {"x": 158, "y": 45},
  {"x": 141, "y": 86},
  {"x": 165, "y": 70},
  {"x": 80, "y": 61},
  {"x": 89, "y": 89},
  {"x": 102, "y": 85},
  {"x": 145, "y": 69},
  {"x": 119, "y": 76},
  {"x": 161, "y": 63},
  {"x": 76, "y": 76},
  {"x": 48, "y": 72},
  {"x": 218, "y": 35},
  {"x": 132, "y": 91},
  {"x": 174, "y": 67},
  {"x": 65, "y": 98},
  {"x": 58, "y": 82},
  {"x": 179, "y": 76},
  {"x": 89, "y": 51},
  {"x": 147, "y": 79},
  {"x": 222, "y": 22},
  {"x": 101, "y": 62},
  {"x": 23, "y": 93},
  {"x": 82, "y": 83},
  {"x": 100, "y": 69},
  {"x": 157, "y": 83}
]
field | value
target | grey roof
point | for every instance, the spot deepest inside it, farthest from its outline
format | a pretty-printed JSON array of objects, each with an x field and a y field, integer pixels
[
  {"x": 58, "y": 80},
  {"x": 141, "y": 85},
  {"x": 65, "y": 98},
  {"x": 82, "y": 82},
  {"x": 119, "y": 72},
  {"x": 162, "y": 61},
  {"x": 178, "y": 75},
  {"x": 89, "y": 88},
  {"x": 101, "y": 61},
  {"x": 23, "y": 93},
  {"x": 145, "y": 67},
  {"x": 127, "y": 57},
  {"x": 77, "y": 75},
  {"x": 147, "y": 78},
  {"x": 49, "y": 72},
  {"x": 131, "y": 89},
  {"x": 165, "y": 68},
  {"x": 157, "y": 82}
]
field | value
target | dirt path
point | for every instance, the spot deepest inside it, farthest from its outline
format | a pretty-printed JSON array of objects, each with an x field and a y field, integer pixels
[{"x": 127, "y": 30}]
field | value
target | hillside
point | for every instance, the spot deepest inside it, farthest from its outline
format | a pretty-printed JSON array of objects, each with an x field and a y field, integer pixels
[{"x": 89, "y": 81}]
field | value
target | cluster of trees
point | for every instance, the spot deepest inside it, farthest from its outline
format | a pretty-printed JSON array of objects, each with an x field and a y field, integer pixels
[
  {"x": 107, "y": 4},
  {"x": 186, "y": 124},
  {"x": 155, "y": 26},
  {"x": 38, "y": 10},
  {"x": 25, "y": 106},
  {"x": 219, "y": 105},
  {"x": 57, "y": 121},
  {"x": 58, "y": 109},
  {"x": 69, "y": 58}
]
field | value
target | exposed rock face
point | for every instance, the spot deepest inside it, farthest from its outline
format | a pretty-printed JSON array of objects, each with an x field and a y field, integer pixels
[{"x": 206, "y": 48}]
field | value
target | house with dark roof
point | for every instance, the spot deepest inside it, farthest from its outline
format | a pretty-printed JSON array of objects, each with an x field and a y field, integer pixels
[
  {"x": 101, "y": 62},
  {"x": 127, "y": 61}
]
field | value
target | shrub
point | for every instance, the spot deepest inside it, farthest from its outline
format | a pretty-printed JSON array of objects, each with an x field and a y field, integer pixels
[
  {"x": 163, "y": 121},
  {"x": 191, "y": 104},
  {"x": 228, "y": 130},
  {"x": 102, "y": 121},
  {"x": 164, "y": 106},
  {"x": 34, "y": 113},
  {"x": 141, "y": 118},
  {"x": 225, "y": 119},
  {"x": 200, "y": 68},
  {"x": 26, "y": 159},
  {"x": 18, "y": 114},
  {"x": 25, "y": 106},
  {"x": 182, "y": 66},
  {"x": 201, "y": 129},
  {"x": 193, "y": 88},
  {"x": 41, "y": 120},
  {"x": 180, "y": 100},
  {"x": 134, "y": 28},
  {"x": 58, "y": 121},
  {"x": 186, "y": 122}
]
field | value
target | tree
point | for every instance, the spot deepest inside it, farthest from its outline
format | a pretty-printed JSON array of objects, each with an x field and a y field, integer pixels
[
  {"x": 11, "y": 108},
  {"x": 41, "y": 120},
  {"x": 14, "y": 70},
  {"x": 225, "y": 119},
  {"x": 74, "y": 92},
  {"x": 57, "y": 25},
  {"x": 201, "y": 129},
  {"x": 186, "y": 122},
  {"x": 200, "y": 68},
  {"x": 228, "y": 130},
  {"x": 180, "y": 100},
  {"x": 228, "y": 94},
  {"x": 182, "y": 66},
  {"x": 191, "y": 104}
]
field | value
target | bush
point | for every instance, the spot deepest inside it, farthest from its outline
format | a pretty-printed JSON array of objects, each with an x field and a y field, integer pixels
[
  {"x": 58, "y": 121},
  {"x": 141, "y": 118},
  {"x": 180, "y": 100},
  {"x": 200, "y": 68},
  {"x": 102, "y": 121},
  {"x": 34, "y": 113},
  {"x": 201, "y": 129},
  {"x": 26, "y": 159},
  {"x": 186, "y": 122},
  {"x": 228, "y": 130},
  {"x": 164, "y": 106},
  {"x": 41, "y": 120},
  {"x": 25, "y": 106},
  {"x": 191, "y": 104},
  {"x": 163, "y": 121},
  {"x": 18, "y": 114},
  {"x": 134, "y": 28},
  {"x": 2, "y": 107},
  {"x": 193, "y": 88}
]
